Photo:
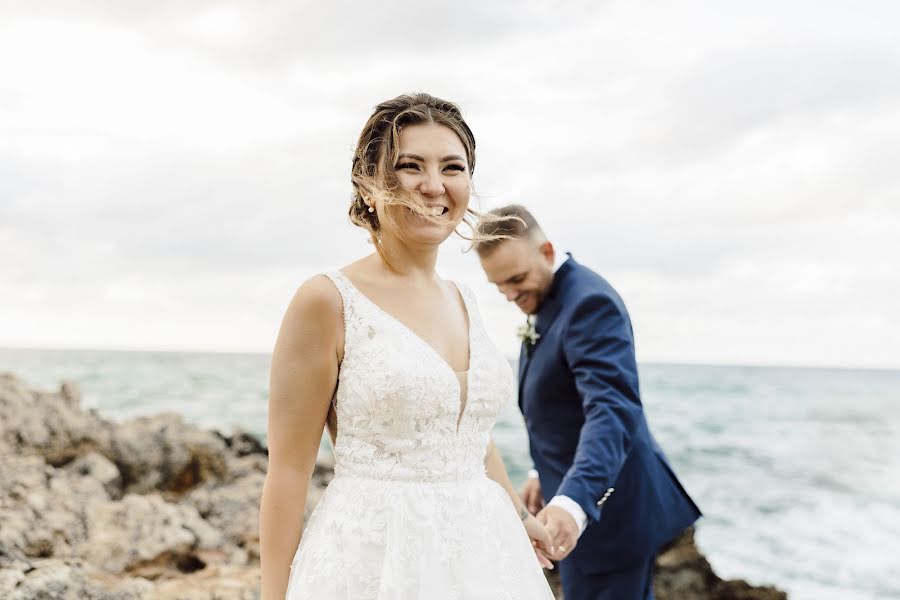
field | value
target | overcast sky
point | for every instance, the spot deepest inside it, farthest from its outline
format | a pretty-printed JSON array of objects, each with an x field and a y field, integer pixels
[{"x": 171, "y": 171}]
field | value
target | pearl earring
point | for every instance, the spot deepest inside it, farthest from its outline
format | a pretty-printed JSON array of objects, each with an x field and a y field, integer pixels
[{"x": 371, "y": 209}]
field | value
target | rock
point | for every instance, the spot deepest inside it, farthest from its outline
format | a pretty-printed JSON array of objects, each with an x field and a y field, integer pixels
[
  {"x": 233, "y": 508},
  {"x": 739, "y": 589},
  {"x": 160, "y": 453},
  {"x": 146, "y": 534},
  {"x": 89, "y": 508},
  {"x": 242, "y": 443},
  {"x": 683, "y": 573},
  {"x": 554, "y": 581},
  {"x": 42, "y": 508},
  {"x": 215, "y": 583},
  {"x": 50, "y": 424},
  {"x": 240, "y": 467},
  {"x": 165, "y": 453},
  {"x": 9, "y": 579},
  {"x": 56, "y": 580},
  {"x": 96, "y": 468},
  {"x": 157, "y": 509}
]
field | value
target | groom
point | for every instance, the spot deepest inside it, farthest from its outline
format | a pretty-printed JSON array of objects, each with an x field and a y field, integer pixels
[{"x": 612, "y": 499}]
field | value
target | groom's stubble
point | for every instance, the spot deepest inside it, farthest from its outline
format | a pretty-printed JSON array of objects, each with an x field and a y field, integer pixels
[{"x": 522, "y": 270}]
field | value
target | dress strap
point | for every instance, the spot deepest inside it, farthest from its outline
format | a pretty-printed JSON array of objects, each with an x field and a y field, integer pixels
[
  {"x": 465, "y": 292},
  {"x": 345, "y": 289},
  {"x": 348, "y": 291},
  {"x": 340, "y": 282},
  {"x": 470, "y": 302}
]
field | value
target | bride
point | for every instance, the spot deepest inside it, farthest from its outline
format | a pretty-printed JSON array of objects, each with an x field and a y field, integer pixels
[{"x": 396, "y": 361}]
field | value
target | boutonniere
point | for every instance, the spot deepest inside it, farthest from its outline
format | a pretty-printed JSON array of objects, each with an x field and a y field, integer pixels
[{"x": 527, "y": 333}]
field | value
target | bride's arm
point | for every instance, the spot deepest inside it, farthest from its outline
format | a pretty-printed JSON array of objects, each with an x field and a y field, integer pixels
[
  {"x": 496, "y": 470},
  {"x": 301, "y": 384}
]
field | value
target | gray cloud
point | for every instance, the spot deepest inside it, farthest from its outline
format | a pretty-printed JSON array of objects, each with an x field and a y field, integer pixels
[{"x": 166, "y": 168}]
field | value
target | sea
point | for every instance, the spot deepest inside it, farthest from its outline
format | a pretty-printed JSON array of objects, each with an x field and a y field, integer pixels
[{"x": 797, "y": 470}]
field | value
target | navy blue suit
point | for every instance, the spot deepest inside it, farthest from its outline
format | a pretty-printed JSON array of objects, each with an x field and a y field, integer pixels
[{"x": 589, "y": 439}]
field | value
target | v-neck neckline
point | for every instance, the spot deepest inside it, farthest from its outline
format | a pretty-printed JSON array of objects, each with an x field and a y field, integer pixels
[{"x": 418, "y": 337}]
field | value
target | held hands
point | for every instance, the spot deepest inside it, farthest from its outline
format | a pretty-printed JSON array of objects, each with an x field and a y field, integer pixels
[
  {"x": 540, "y": 539},
  {"x": 553, "y": 531},
  {"x": 562, "y": 528}
]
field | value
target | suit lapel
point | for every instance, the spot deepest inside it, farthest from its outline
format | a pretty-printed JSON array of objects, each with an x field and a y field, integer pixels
[
  {"x": 546, "y": 315},
  {"x": 523, "y": 368}
]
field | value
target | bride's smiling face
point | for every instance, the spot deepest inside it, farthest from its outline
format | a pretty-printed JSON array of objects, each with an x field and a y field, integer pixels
[{"x": 431, "y": 164}]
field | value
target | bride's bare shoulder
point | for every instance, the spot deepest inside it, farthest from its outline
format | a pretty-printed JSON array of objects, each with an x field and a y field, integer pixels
[
  {"x": 319, "y": 298},
  {"x": 316, "y": 299}
]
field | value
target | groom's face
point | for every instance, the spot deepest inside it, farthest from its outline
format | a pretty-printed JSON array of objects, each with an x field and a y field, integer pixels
[{"x": 522, "y": 270}]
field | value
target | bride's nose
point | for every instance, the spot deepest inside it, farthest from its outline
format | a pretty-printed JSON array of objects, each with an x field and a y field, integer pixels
[{"x": 431, "y": 185}]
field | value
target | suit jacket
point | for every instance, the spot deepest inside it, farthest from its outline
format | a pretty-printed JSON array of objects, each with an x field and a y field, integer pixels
[{"x": 589, "y": 439}]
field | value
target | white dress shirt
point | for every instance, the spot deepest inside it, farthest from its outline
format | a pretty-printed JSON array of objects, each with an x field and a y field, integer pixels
[{"x": 564, "y": 502}]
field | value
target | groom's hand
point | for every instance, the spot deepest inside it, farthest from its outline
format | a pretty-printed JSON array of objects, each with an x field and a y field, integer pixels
[
  {"x": 562, "y": 528},
  {"x": 531, "y": 495}
]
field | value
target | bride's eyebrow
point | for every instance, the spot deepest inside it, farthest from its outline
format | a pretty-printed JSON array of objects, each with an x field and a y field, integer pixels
[{"x": 447, "y": 158}]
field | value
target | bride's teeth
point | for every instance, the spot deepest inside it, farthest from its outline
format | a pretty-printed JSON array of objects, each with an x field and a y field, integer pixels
[{"x": 437, "y": 211}]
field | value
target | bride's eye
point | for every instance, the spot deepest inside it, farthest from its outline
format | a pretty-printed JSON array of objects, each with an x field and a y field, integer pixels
[
  {"x": 401, "y": 166},
  {"x": 456, "y": 167}
]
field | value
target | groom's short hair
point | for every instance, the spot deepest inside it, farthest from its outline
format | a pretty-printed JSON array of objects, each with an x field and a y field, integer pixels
[{"x": 510, "y": 222}]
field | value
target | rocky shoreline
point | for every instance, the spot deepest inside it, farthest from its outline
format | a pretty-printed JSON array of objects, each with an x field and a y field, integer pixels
[{"x": 155, "y": 508}]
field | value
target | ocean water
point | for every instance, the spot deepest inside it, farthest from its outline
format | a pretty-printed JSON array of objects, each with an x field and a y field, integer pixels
[{"x": 796, "y": 470}]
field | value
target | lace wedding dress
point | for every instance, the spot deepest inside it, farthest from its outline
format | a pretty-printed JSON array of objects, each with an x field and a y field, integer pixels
[{"x": 411, "y": 513}]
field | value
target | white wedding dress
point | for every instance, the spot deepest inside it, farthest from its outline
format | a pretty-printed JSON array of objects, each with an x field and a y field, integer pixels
[{"x": 411, "y": 513}]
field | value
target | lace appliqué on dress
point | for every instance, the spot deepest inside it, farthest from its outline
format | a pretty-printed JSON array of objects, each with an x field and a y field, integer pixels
[{"x": 411, "y": 513}]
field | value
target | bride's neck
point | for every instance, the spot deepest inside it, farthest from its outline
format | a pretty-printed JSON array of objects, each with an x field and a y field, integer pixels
[{"x": 415, "y": 263}]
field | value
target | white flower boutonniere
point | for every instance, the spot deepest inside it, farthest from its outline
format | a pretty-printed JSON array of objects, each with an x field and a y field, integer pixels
[{"x": 527, "y": 333}]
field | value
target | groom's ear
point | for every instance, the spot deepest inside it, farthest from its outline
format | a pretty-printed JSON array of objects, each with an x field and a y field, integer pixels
[{"x": 547, "y": 251}]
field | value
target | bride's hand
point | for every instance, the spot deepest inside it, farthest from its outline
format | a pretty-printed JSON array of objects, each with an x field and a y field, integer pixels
[{"x": 541, "y": 540}]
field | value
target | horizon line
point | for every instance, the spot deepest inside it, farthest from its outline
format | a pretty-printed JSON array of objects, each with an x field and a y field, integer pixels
[{"x": 808, "y": 366}]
